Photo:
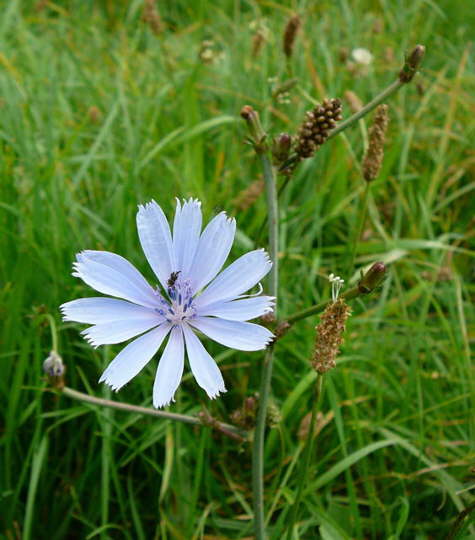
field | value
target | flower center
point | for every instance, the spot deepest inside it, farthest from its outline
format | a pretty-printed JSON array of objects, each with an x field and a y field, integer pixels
[{"x": 180, "y": 306}]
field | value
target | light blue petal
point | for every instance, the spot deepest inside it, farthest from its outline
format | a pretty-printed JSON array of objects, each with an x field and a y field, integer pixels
[
  {"x": 98, "y": 310},
  {"x": 133, "y": 358},
  {"x": 213, "y": 250},
  {"x": 170, "y": 369},
  {"x": 237, "y": 278},
  {"x": 186, "y": 234},
  {"x": 110, "y": 273},
  {"x": 243, "y": 336},
  {"x": 117, "y": 331},
  {"x": 156, "y": 240},
  {"x": 204, "y": 368},
  {"x": 238, "y": 310}
]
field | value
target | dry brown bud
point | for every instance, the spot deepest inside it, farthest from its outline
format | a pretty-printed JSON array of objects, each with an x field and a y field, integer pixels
[
  {"x": 151, "y": 16},
  {"x": 373, "y": 158},
  {"x": 353, "y": 101},
  {"x": 315, "y": 129},
  {"x": 290, "y": 33},
  {"x": 329, "y": 336},
  {"x": 247, "y": 197}
]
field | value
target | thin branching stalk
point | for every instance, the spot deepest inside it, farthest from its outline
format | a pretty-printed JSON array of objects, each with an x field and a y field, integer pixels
[
  {"x": 259, "y": 435},
  {"x": 302, "y": 476},
  {"x": 369, "y": 282},
  {"x": 226, "y": 429}
]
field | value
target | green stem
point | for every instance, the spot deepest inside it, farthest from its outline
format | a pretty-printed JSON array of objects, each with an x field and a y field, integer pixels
[
  {"x": 350, "y": 294},
  {"x": 385, "y": 94},
  {"x": 302, "y": 479},
  {"x": 227, "y": 429},
  {"x": 259, "y": 435},
  {"x": 359, "y": 229}
]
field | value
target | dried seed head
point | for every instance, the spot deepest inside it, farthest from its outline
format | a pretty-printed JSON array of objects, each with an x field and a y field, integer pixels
[
  {"x": 374, "y": 155},
  {"x": 151, "y": 17},
  {"x": 290, "y": 33},
  {"x": 329, "y": 336},
  {"x": 353, "y": 101},
  {"x": 247, "y": 197},
  {"x": 316, "y": 127}
]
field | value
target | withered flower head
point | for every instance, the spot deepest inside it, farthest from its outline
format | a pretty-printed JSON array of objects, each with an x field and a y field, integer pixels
[
  {"x": 316, "y": 127},
  {"x": 374, "y": 156},
  {"x": 329, "y": 336}
]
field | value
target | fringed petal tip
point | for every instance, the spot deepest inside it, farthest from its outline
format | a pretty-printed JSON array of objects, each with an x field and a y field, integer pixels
[
  {"x": 213, "y": 394},
  {"x": 110, "y": 384}
]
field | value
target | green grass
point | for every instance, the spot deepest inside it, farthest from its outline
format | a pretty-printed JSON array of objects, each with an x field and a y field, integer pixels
[{"x": 394, "y": 457}]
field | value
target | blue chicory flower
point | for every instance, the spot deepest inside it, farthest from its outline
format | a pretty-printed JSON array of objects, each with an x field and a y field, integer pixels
[{"x": 193, "y": 296}]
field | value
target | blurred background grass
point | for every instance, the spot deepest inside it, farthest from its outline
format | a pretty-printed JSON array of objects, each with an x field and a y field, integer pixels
[{"x": 101, "y": 110}]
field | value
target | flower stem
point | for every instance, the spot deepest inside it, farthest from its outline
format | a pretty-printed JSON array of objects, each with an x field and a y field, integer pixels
[
  {"x": 302, "y": 479},
  {"x": 387, "y": 92},
  {"x": 259, "y": 435},
  {"x": 227, "y": 429},
  {"x": 350, "y": 294}
]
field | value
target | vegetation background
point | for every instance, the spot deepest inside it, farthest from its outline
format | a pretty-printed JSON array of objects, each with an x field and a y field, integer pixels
[{"x": 101, "y": 109}]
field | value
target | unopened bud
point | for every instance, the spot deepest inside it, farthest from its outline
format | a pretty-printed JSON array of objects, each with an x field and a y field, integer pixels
[
  {"x": 251, "y": 117},
  {"x": 413, "y": 61},
  {"x": 373, "y": 278},
  {"x": 54, "y": 368},
  {"x": 281, "y": 147}
]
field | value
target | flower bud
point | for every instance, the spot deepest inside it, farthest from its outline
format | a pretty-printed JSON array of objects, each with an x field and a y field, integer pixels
[
  {"x": 54, "y": 368},
  {"x": 373, "y": 278},
  {"x": 281, "y": 147},
  {"x": 251, "y": 117},
  {"x": 412, "y": 64}
]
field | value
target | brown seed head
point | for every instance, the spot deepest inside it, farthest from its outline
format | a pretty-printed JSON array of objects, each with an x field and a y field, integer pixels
[
  {"x": 247, "y": 197},
  {"x": 316, "y": 127},
  {"x": 290, "y": 33},
  {"x": 151, "y": 17},
  {"x": 329, "y": 335},
  {"x": 373, "y": 158}
]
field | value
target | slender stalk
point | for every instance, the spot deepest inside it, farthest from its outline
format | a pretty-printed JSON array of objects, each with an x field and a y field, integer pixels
[
  {"x": 359, "y": 229},
  {"x": 350, "y": 294},
  {"x": 221, "y": 426},
  {"x": 259, "y": 435},
  {"x": 302, "y": 478},
  {"x": 387, "y": 92}
]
